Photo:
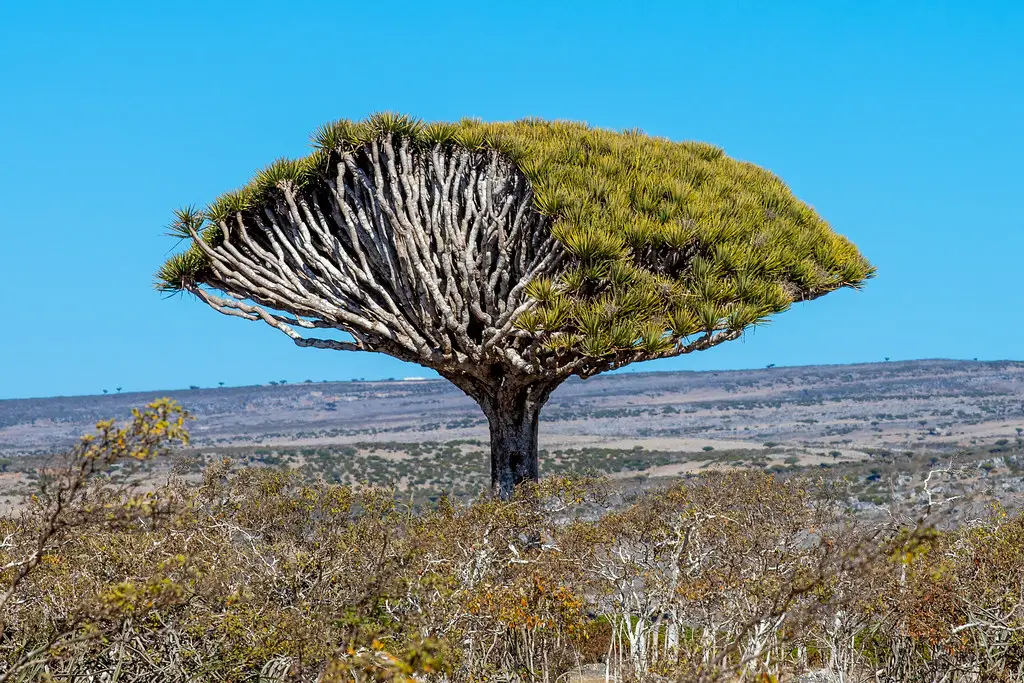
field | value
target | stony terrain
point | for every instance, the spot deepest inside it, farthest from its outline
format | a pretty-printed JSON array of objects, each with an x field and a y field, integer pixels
[
  {"x": 936, "y": 404},
  {"x": 869, "y": 421}
]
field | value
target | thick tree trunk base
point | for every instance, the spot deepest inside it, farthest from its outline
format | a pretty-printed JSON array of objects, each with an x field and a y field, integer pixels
[
  {"x": 514, "y": 456},
  {"x": 513, "y": 415}
]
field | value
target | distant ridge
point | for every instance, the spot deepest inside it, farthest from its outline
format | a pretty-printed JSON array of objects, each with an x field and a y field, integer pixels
[
  {"x": 619, "y": 373},
  {"x": 873, "y": 404}
]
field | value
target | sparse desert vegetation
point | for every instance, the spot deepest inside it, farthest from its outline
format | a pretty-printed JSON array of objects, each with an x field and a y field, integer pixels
[{"x": 272, "y": 568}]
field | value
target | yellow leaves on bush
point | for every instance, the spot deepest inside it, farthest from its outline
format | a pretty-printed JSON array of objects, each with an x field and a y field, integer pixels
[
  {"x": 151, "y": 432},
  {"x": 128, "y": 598}
]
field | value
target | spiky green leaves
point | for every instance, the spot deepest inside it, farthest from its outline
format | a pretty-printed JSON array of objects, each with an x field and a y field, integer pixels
[
  {"x": 189, "y": 267},
  {"x": 471, "y": 134},
  {"x": 186, "y": 219},
  {"x": 346, "y": 134},
  {"x": 590, "y": 244},
  {"x": 652, "y": 315},
  {"x": 181, "y": 271},
  {"x": 298, "y": 172},
  {"x": 724, "y": 243},
  {"x": 665, "y": 240}
]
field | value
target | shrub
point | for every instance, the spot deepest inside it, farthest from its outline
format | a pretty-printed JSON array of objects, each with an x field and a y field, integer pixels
[{"x": 261, "y": 574}]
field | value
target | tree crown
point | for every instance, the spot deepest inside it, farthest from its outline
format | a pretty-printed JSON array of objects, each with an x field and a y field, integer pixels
[{"x": 662, "y": 240}]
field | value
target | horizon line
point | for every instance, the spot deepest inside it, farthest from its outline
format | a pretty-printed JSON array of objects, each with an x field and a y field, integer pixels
[{"x": 418, "y": 380}]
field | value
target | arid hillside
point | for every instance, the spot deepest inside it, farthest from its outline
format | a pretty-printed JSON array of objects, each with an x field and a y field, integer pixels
[{"x": 935, "y": 404}]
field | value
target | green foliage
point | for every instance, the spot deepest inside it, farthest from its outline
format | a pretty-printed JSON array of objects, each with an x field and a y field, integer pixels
[
  {"x": 186, "y": 219},
  {"x": 666, "y": 234},
  {"x": 181, "y": 270}
]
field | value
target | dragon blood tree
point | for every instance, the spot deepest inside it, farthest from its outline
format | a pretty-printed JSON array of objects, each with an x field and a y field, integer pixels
[{"x": 509, "y": 256}]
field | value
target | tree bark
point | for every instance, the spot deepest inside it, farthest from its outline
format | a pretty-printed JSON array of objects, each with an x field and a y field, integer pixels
[{"x": 513, "y": 413}]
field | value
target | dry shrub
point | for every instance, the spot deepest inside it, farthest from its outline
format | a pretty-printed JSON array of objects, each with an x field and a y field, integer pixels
[{"x": 259, "y": 575}]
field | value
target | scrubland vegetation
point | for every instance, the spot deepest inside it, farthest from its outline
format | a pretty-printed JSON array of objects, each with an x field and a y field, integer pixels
[{"x": 274, "y": 574}]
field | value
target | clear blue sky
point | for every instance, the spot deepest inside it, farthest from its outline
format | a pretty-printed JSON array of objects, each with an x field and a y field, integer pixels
[{"x": 900, "y": 122}]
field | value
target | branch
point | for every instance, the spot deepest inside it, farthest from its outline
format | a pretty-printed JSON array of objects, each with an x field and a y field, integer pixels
[
  {"x": 282, "y": 323},
  {"x": 588, "y": 367},
  {"x": 424, "y": 255}
]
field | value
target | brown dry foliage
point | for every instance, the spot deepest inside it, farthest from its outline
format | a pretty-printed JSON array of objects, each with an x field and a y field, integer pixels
[{"x": 257, "y": 575}]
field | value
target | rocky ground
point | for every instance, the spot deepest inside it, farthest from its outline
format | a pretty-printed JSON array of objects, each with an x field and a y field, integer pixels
[{"x": 883, "y": 426}]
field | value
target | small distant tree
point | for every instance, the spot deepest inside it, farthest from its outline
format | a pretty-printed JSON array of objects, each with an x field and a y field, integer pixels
[
  {"x": 105, "y": 391},
  {"x": 220, "y": 384},
  {"x": 509, "y": 257},
  {"x": 119, "y": 390}
]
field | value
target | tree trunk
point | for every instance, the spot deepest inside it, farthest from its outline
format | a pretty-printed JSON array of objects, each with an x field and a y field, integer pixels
[{"x": 513, "y": 414}]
